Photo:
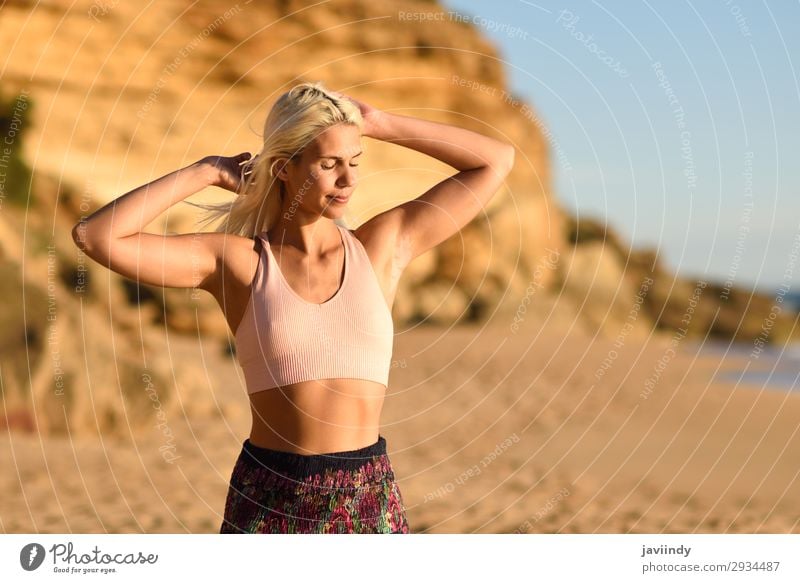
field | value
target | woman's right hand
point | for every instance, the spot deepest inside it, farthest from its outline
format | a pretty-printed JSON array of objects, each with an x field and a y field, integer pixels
[{"x": 229, "y": 172}]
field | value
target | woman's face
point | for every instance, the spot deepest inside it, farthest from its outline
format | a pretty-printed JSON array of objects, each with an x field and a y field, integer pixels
[{"x": 322, "y": 179}]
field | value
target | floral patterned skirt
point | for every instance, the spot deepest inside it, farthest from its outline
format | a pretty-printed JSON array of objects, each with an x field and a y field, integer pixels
[{"x": 281, "y": 492}]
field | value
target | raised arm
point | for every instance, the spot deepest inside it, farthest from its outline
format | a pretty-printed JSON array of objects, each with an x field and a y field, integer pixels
[
  {"x": 424, "y": 222},
  {"x": 113, "y": 235}
]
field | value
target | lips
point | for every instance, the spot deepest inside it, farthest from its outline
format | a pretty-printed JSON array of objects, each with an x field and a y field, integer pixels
[{"x": 340, "y": 200}]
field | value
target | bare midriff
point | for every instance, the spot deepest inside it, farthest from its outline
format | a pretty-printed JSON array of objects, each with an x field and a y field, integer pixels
[{"x": 319, "y": 416}]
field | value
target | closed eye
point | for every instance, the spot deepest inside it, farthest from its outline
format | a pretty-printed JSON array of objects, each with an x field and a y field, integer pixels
[{"x": 334, "y": 166}]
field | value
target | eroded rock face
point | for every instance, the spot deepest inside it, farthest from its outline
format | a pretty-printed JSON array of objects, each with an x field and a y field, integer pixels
[{"x": 619, "y": 288}]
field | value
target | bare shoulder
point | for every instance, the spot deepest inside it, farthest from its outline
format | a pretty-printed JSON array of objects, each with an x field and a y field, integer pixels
[
  {"x": 380, "y": 234},
  {"x": 236, "y": 260},
  {"x": 235, "y": 248},
  {"x": 382, "y": 238}
]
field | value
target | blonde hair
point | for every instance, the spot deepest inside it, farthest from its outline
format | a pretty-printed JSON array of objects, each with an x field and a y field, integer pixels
[{"x": 296, "y": 118}]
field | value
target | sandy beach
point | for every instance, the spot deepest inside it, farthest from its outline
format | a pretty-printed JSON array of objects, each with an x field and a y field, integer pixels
[{"x": 489, "y": 431}]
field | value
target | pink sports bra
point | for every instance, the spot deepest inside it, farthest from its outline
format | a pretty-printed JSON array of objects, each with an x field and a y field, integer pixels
[{"x": 284, "y": 339}]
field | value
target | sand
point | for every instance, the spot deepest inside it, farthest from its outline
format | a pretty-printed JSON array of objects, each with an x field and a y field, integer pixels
[{"x": 489, "y": 431}]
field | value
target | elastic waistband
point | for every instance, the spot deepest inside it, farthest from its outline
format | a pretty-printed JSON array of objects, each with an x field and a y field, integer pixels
[{"x": 300, "y": 465}]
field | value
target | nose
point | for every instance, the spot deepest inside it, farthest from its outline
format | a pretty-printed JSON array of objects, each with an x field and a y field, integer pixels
[{"x": 349, "y": 176}]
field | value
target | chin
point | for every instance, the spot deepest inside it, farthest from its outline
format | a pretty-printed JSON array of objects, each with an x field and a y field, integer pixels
[{"x": 333, "y": 212}]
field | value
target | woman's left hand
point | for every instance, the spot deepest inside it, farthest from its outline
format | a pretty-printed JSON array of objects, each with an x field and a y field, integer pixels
[{"x": 371, "y": 115}]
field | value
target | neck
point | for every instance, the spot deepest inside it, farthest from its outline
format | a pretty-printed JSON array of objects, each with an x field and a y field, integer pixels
[{"x": 315, "y": 237}]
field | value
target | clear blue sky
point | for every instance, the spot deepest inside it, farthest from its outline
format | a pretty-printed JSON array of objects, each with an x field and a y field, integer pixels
[{"x": 727, "y": 73}]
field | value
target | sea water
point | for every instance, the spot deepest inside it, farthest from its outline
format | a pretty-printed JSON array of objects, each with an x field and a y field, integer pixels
[{"x": 775, "y": 367}]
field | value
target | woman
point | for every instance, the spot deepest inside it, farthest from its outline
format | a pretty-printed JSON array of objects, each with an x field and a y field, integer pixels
[{"x": 309, "y": 301}]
